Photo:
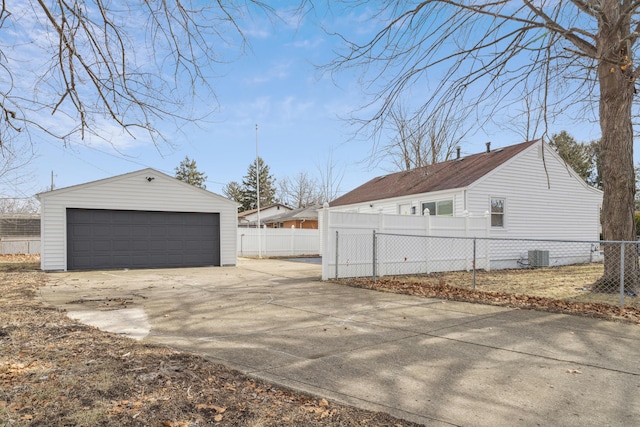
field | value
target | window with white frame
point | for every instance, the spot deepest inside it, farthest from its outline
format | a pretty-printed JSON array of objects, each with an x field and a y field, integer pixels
[
  {"x": 404, "y": 209},
  {"x": 497, "y": 212},
  {"x": 440, "y": 208}
]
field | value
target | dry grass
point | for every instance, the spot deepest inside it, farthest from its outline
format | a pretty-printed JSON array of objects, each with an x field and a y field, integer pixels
[
  {"x": 566, "y": 283},
  {"x": 57, "y": 372},
  {"x": 566, "y": 289}
]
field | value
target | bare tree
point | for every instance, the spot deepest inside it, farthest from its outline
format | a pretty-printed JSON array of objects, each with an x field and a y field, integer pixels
[
  {"x": 532, "y": 110},
  {"x": 409, "y": 148},
  {"x": 330, "y": 179},
  {"x": 96, "y": 65},
  {"x": 300, "y": 191},
  {"x": 19, "y": 205},
  {"x": 419, "y": 139},
  {"x": 492, "y": 54},
  {"x": 405, "y": 148}
]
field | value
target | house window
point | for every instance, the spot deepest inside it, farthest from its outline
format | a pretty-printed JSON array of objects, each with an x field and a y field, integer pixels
[
  {"x": 497, "y": 212},
  {"x": 441, "y": 208},
  {"x": 404, "y": 209}
]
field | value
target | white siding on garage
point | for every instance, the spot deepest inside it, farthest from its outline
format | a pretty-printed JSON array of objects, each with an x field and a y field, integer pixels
[
  {"x": 131, "y": 192},
  {"x": 543, "y": 199}
]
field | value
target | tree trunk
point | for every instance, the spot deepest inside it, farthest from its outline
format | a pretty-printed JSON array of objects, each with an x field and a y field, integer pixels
[{"x": 616, "y": 97}]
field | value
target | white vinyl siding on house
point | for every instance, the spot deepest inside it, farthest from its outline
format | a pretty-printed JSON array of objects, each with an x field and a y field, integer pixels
[
  {"x": 131, "y": 192},
  {"x": 543, "y": 199}
]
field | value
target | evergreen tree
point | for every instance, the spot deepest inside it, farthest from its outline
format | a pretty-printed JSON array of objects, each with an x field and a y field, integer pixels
[
  {"x": 188, "y": 172},
  {"x": 249, "y": 187},
  {"x": 580, "y": 157},
  {"x": 233, "y": 191}
]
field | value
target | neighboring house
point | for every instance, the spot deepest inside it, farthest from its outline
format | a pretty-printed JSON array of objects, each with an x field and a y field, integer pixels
[
  {"x": 19, "y": 233},
  {"x": 142, "y": 219},
  {"x": 296, "y": 218},
  {"x": 250, "y": 218},
  {"x": 528, "y": 190},
  {"x": 19, "y": 225}
]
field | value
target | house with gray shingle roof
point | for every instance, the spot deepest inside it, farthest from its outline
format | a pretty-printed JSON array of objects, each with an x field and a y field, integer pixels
[
  {"x": 527, "y": 189},
  {"x": 306, "y": 217}
]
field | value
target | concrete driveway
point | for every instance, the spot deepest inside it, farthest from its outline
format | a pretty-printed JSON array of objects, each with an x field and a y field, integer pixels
[{"x": 429, "y": 361}]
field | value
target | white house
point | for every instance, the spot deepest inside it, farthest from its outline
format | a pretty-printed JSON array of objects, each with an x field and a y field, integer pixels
[
  {"x": 250, "y": 218},
  {"x": 142, "y": 219},
  {"x": 528, "y": 190}
]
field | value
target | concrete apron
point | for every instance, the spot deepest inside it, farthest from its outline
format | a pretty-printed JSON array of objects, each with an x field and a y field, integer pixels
[{"x": 425, "y": 360}]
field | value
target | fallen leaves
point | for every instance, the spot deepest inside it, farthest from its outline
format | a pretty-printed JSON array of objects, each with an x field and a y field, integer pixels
[{"x": 429, "y": 289}]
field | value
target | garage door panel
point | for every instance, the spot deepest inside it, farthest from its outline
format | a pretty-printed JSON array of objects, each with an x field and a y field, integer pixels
[
  {"x": 158, "y": 245},
  {"x": 141, "y": 239},
  {"x": 139, "y": 245},
  {"x": 82, "y": 246},
  {"x": 121, "y": 230},
  {"x": 176, "y": 232},
  {"x": 101, "y": 246},
  {"x": 158, "y": 230},
  {"x": 140, "y": 260},
  {"x": 98, "y": 217},
  {"x": 139, "y": 231},
  {"x": 121, "y": 245},
  {"x": 176, "y": 246},
  {"x": 81, "y": 230}
]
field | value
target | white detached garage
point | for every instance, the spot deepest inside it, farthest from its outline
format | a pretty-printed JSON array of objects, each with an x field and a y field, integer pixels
[{"x": 143, "y": 219}]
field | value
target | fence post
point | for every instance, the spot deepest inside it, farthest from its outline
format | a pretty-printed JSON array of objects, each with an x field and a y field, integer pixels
[
  {"x": 474, "y": 263},
  {"x": 375, "y": 255},
  {"x": 622, "y": 274},
  {"x": 487, "y": 231},
  {"x": 336, "y": 254},
  {"x": 427, "y": 220},
  {"x": 465, "y": 215},
  {"x": 325, "y": 236},
  {"x": 427, "y": 244},
  {"x": 292, "y": 244}
]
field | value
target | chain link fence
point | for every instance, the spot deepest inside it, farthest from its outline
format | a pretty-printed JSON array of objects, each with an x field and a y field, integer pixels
[{"x": 586, "y": 271}]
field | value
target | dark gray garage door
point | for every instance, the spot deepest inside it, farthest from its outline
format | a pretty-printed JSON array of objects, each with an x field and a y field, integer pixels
[{"x": 98, "y": 239}]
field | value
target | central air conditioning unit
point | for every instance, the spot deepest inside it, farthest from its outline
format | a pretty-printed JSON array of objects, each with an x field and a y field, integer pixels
[{"x": 538, "y": 258}]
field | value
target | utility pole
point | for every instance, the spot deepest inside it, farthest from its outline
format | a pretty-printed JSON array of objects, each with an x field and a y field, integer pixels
[
  {"x": 258, "y": 195},
  {"x": 52, "y": 186}
]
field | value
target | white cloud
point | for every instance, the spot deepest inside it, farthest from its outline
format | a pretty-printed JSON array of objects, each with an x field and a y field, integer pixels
[
  {"x": 308, "y": 43},
  {"x": 278, "y": 71}
]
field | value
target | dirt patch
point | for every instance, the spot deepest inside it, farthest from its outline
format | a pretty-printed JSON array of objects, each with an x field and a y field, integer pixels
[{"x": 57, "y": 372}]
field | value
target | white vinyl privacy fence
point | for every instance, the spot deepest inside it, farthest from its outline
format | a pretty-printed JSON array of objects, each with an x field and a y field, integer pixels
[
  {"x": 370, "y": 245},
  {"x": 20, "y": 245},
  {"x": 348, "y": 237},
  {"x": 278, "y": 242}
]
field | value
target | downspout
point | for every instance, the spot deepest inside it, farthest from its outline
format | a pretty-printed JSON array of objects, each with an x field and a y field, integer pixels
[{"x": 302, "y": 222}]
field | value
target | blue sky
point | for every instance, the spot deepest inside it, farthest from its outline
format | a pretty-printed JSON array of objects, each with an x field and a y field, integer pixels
[{"x": 275, "y": 84}]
